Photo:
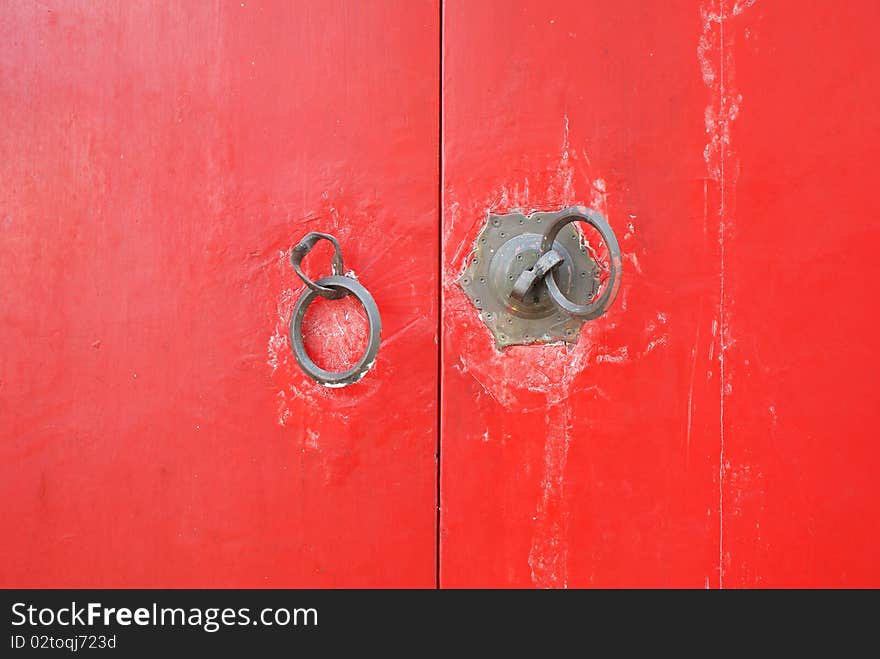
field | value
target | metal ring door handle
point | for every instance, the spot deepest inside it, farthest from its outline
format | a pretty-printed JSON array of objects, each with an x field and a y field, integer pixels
[
  {"x": 332, "y": 287},
  {"x": 345, "y": 286},
  {"x": 597, "y": 308}
]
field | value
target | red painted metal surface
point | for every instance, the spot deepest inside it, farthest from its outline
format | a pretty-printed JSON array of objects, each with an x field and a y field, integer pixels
[
  {"x": 156, "y": 159},
  {"x": 718, "y": 426}
]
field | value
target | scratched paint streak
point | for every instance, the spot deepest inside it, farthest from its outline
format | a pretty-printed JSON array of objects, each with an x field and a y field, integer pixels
[
  {"x": 549, "y": 551},
  {"x": 690, "y": 410},
  {"x": 722, "y": 166}
]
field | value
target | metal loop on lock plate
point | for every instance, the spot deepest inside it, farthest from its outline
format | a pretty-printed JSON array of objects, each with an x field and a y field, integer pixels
[
  {"x": 596, "y": 308},
  {"x": 333, "y": 287}
]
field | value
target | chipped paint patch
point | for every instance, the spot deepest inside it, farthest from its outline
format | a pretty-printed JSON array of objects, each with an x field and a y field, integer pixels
[
  {"x": 619, "y": 356},
  {"x": 661, "y": 341},
  {"x": 312, "y": 439}
]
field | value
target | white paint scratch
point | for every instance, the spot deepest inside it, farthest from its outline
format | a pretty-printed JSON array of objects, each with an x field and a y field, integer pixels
[
  {"x": 690, "y": 413},
  {"x": 311, "y": 439},
  {"x": 653, "y": 344},
  {"x": 619, "y": 356},
  {"x": 634, "y": 259},
  {"x": 723, "y": 168},
  {"x": 548, "y": 556}
]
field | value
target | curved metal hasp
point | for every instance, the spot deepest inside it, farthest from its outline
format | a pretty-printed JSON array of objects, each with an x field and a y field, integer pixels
[
  {"x": 303, "y": 247},
  {"x": 529, "y": 276}
]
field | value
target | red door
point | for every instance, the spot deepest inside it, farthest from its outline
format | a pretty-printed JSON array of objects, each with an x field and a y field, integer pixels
[
  {"x": 716, "y": 428},
  {"x": 157, "y": 160}
]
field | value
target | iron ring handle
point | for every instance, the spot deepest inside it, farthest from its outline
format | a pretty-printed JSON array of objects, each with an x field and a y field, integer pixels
[
  {"x": 303, "y": 247},
  {"x": 594, "y": 219},
  {"x": 344, "y": 286}
]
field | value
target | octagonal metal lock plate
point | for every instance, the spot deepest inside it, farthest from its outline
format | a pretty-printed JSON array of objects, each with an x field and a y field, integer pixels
[{"x": 509, "y": 244}]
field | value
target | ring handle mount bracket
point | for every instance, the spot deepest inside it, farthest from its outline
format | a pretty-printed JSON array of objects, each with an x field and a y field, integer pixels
[{"x": 509, "y": 277}]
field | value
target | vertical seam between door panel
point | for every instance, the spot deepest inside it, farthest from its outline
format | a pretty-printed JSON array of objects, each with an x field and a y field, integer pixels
[
  {"x": 722, "y": 319},
  {"x": 439, "y": 287}
]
